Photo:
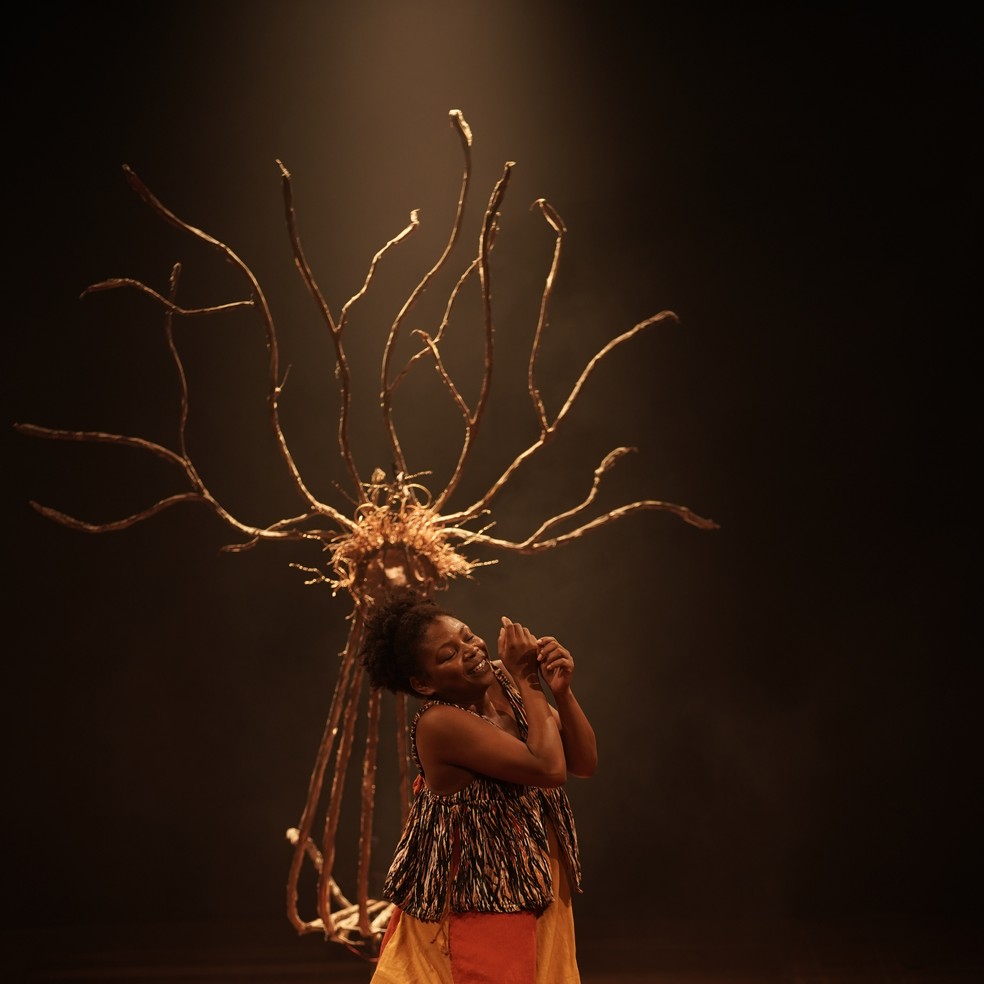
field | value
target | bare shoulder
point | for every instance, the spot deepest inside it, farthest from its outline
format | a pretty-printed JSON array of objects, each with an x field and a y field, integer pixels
[{"x": 441, "y": 719}]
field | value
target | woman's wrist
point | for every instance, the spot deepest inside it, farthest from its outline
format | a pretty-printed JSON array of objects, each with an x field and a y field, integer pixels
[
  {"x": 564, "y": 697},
  {"x": 529, "y": 676}
]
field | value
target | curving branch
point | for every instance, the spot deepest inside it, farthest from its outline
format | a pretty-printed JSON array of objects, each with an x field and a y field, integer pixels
[
  {"x": 335, "y": 331},
  {"x": 531, "y": 547},
  {"x": 557, "y": 224},
  {"x": 115, "y": 283},
  {"x": 287, "y": 529},
  {"x": 608, "y": 462},
  {"x": 386, "y": 388},
  {"x": 486, "y": 239},
  {"x": 301, "y": 835}
]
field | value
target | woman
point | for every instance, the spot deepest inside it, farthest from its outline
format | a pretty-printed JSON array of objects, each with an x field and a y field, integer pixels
[{"x": 482, "y": 875}]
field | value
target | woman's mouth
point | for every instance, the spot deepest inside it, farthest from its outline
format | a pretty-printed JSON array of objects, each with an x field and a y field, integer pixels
[{"x": 480, "y": 667}]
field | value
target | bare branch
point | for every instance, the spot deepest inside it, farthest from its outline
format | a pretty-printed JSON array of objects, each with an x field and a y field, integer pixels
[
  {"x": 486, "y": 239},
  {"x": 302, "y": 833},
  {"x": 100, "y": 437},
  {"x": 199, "y": 498},
  {"x": 557, "y": 224},
  {"x": 606, "y": 350},
  {"x": 411, "y": 227},
  {"x": 341, "y": 360},
  {"x": 300, "y": 260},
  {"x": 115, "y": 283},
  {"x": 446, "y": 378},
  {"x": 441, "y": 328},
  {"x": 607, "y": 463},
  {"x": 385, "y": 388},
  {"x": 199, "y": 493},
  {"x": 118, "y": 524},
  {"x": 337, "y": 790},
  {"x": 526, "y": 547},
  {"x": 178, "y": 365},
  {"x": 368, "y": 804},
  {"x": 284, "y": 529}
]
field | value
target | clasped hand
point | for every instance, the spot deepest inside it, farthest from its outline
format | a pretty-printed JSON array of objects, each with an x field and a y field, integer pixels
[{"x": 523, "y": 654}]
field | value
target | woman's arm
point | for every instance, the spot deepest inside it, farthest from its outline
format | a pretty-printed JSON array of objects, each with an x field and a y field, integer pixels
[
  {"x": 455, "y": 745},
  {"x": 519, "y": 652},
  {"x": 576, "y": 733}
]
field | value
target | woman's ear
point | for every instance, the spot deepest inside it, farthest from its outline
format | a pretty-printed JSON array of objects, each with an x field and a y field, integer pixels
[{"x": 423, "y": 688}]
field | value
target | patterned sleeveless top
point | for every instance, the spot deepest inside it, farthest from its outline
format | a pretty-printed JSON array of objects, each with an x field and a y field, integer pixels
[{"x": 483, "y": 848}]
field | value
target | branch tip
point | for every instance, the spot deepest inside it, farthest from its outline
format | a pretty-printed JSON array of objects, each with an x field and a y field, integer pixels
[{"x": 458, "y": 121}]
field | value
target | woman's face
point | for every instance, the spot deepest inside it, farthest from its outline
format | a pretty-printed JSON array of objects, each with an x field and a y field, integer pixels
[{"x": 453, "y": 662}]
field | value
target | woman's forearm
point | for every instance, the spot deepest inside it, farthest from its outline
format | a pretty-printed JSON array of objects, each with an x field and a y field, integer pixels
[
  {"x": 577, "y": 736},
  {"x": 543, "y": 737}
]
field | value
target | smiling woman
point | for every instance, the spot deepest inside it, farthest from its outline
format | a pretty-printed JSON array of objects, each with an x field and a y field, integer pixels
[{"x": 481, "y": 879}]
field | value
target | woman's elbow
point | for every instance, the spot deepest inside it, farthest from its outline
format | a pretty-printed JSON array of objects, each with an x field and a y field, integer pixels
[
  {"x": 585, "y": 771},
  {"x": 583, "y": 766},
  {"x": 555, "y": 778},
  {"x": 551, "y": 775}
]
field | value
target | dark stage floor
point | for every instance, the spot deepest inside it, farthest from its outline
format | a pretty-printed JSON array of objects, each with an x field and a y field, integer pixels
[{"x": 659, "y": 952}]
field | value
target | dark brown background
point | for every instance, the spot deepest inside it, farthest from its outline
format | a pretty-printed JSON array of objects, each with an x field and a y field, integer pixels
[{"x": 786, "y": 707}]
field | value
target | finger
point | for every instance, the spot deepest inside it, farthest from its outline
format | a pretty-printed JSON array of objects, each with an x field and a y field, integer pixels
[{"x": 559, "y": 662}]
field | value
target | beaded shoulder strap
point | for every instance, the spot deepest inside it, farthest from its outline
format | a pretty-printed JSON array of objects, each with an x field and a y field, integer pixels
[{"x": 515, "y": 701}]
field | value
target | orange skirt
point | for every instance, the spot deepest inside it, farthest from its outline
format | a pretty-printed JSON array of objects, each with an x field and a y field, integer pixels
[{"x": 485, "y": 948}]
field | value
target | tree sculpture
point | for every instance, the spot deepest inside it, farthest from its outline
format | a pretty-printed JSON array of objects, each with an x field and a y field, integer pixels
[{"x": 399, "y": 534}]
